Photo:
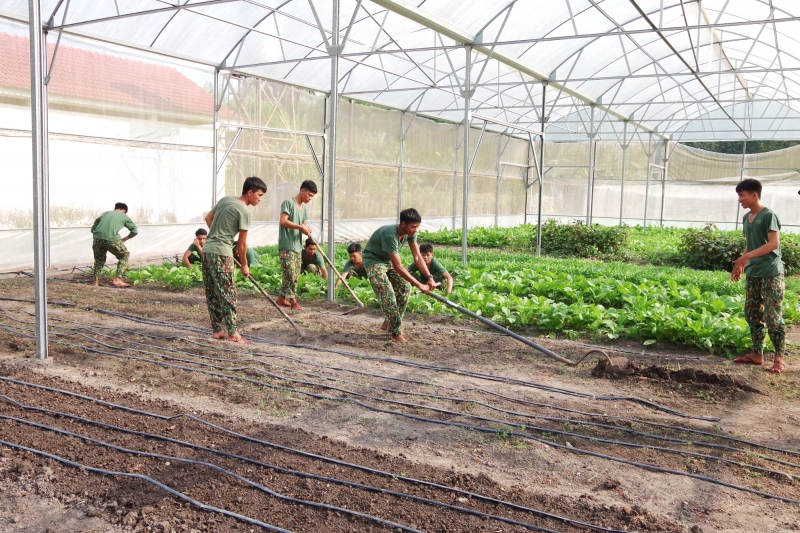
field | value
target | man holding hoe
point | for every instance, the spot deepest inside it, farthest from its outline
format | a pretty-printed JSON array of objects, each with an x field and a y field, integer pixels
[
  {"x": 290, "y": 241},
  {"x": 105, "y": 238},
  {"x": 389, "y": 278},
  {"x": 229, "y": 218},
  {"x": 763, "y": 269}
]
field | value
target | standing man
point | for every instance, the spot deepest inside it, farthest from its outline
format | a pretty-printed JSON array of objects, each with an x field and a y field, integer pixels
[
  {"x": 290, "y": 241},
  {"x": 229, "y": 218},
  {"x": 387, "y": 275},
  {"x": 763, "y": 270},
  {"x": 105, "y": 234}
]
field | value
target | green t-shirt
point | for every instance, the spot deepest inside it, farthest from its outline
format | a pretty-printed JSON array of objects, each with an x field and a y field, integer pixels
[
  {"x": 755, "y": 232},
  {"x": 252, "y": 256},
  {"x": 196, "y": 255},
  {"x": 435, "y": 268},
  {"x": 230, "y": 216},
  {"x": 316, "y": 259},
  {"x": 107, "y": 226},
  {"x": 292, "y": 239},
  {"x": 382, "y": 243},
  {"x": 357, "y": 272}
]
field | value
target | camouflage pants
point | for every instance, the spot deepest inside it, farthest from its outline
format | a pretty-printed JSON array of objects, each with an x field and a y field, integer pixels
[
  {"x": 218, "y": 278},
  {"x": 117, "y": 249},
  {"x": 290, "y": 266},
  {"x": 392, "y": 292},
  {"x": 762, "y": 310},
  {"x": 313, "y": 269}
]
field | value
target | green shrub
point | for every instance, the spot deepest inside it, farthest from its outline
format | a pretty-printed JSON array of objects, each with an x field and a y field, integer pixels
[
  {"x": 711, "y": 249},
  {"x": 581, "y": 240}
]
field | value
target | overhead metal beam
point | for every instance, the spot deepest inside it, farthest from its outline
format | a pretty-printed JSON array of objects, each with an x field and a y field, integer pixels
[{"x": 411, "y": 12}]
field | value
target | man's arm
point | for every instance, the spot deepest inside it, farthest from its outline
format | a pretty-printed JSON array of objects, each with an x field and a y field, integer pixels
[
  {"x": 132, "y": 230},
  {"x": 209, "y": 219},
  {"x": 96, "y": 222},
  {"x": 323, "y": 272},
  {"x": 423, "y": 268},
  {"x": 773, "y": 242},
  {"x": 186, "y": 255},
  {"x": 286, "y": 223},
  {"x": 405, "y": 274},
  {"x": 449, "y": 279},
  {"x": 241, "y": 252}
]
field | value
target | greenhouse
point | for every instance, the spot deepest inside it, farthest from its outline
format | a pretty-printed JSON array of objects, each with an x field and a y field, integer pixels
[{"x": 478, "y": 113}]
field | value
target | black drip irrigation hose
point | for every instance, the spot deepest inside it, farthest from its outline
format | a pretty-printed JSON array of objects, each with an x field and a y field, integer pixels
[
  {"x": 447, "y": 423},
  {"x": 286, "y": 449},
  {"x": 464, "y": 400},
  {"x": 489, "y": 377},
  {"x": 212, "y": 466},
  {"x": 150, "y": 480},
  {"x": 485, "y": 391}
]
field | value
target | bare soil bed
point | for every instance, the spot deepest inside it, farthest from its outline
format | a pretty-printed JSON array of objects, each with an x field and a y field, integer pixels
[{"x": 341, "y": 430}]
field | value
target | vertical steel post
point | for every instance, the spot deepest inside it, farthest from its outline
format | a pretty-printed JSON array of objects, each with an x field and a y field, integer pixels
[
  {"x": 333, "y": 111},
  {"x": 741, "y": 177},
  {"x": 400, "y": 168},
  {"x": 664, "y": 179},
  {"x": 455, "y": 180},
  {"x": 38, "y": 136},
  {"x": 499, "y": 178},
  {"x": 590, "y": 181},
  {"x": 215, "y": 145},
  {"x": 527, "y": 181},
  {"x": 624, "y": 147},
  {"x": 45, "y": 139},
  {"x": 647, "y": 179},
  {"x": 541, "y": 172},
  {"x": 324, "y": 172},
  {"x": 466, "y": 94}
]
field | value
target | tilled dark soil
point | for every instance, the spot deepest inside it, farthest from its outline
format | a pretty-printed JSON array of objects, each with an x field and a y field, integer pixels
[{"x": 134, "y": 503}]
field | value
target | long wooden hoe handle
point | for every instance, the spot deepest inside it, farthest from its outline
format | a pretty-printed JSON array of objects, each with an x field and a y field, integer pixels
[
  {"x": 341, "y": 278},
  {"x": 272, "y": 301}
]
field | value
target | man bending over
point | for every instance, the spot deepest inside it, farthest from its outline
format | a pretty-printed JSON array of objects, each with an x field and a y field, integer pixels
[
  {"x": 389, "y": 278},
  {"x": 437, "y": 270},
  {"x": 105, "y": 234},
  {"x": 312, "y": 260},
  {"x": 290, "y": 241},
  {"x": 229, "y": 218}
]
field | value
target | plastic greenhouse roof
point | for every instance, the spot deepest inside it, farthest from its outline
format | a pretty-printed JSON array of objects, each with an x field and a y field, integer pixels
[{"x": 609, "y": 69}]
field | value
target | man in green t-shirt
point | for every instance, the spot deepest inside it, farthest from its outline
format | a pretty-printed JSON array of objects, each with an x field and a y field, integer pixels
[
  {"x": 194, "y": 254},
  {"x": 290, "y": 241},
  {"x": 389, "y": 278},
  {"x": 312, "y": 260},
  {"x": 229, "y": 218},
  {"x": 354, "y": 268},
  {"x": 763, "y": 269},
  {"x": 105, "y": 238},
  {"x": 437, "y": 270}
]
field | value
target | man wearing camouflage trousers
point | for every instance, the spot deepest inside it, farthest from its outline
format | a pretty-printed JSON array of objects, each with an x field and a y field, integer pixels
[
  {"x": 290, "y": 241},
  {"x": 763, "y": 268},
  {"x": 105, "y": 239},
  {"x": 389, "y": 278},
  {"x": 229, "y": 218}
]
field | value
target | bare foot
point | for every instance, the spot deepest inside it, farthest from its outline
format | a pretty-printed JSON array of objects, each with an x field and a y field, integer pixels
[
  {"x": 385, "y": 326},
  {"x": 238, "y": 339},
  {"x": 96, "y": 283},
  {"x": 282, "y": 302},
  {"x": 220, "y": 336},
  {"x": 295, "y": 305},
  {"x": 399, "y": 339},
  {"x": 778, "y": 366},
  {"x": 750, "y": 359},
  {"x": 119, "y": 283}
]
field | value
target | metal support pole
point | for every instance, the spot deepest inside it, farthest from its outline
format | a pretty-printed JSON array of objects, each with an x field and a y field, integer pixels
[
  {"x": 541, "y": 172},
  {"x": 590, "y": 181},
  {"x": 497, "y": 184},
  {"x": 455, "y": 181},
  {"x": 664, "y": 181},
  {"x": 741, "y": 177},
  {"x": 467, "y": 94},
  {"x": 334, "y": 51},
  {"x": 624, "y": 147},
  {"x": 527, "y": 181},
  {"x": 45, "y": 139},
  {"x": 647, "y": 180},
  {"x": 324, "y": 176},
  {"x": 215, "y": 145},
  {"x": 400, "y": 168},
  {"x": 38, "y": 136}
]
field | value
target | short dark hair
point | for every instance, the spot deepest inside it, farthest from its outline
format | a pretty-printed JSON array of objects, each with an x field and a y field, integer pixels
[
  {"x": 309, "y": 185},
  {"x": 199, "y": 232},
  {"x": 749, "y": 185},
  {"x": 253, "y": 184},
  {"x": 121, "y": 206},
  {"x": 354, "y": 247},
  {"x": 310, "y": 242},
  {"x": 410, "y": 216},
  {"x": 426, "y": 248}
]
